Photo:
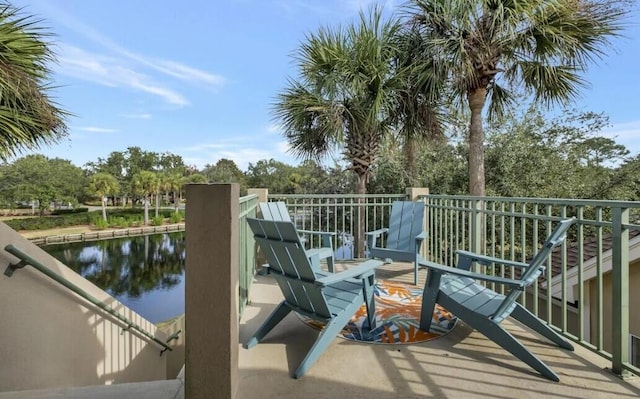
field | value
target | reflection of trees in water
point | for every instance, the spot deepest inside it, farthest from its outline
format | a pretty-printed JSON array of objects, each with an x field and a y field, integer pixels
[{"x": 130, "y": 266}]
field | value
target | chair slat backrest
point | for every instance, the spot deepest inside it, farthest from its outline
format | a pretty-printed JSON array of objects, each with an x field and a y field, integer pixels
[
  {"x": 536, "y": 266},
  {"x": 290, "y": 265},
  {"x": 405, "y": 223},
  {"x": 275, "y": 211}
]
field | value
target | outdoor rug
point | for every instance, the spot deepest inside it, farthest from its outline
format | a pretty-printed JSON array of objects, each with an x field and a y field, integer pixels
[{"x": 398, "y": 308}]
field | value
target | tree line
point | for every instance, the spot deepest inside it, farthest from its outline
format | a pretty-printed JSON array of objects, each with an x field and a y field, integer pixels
[{"x": 528, "y": 154}]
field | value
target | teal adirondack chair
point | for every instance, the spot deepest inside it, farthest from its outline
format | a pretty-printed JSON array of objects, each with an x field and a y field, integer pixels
[
  {"x": 404, "y": 235},
  {"x": 483, "y": 308},
  {"x": 332, "y": 298},
  {"x": 278, "y": 211}
]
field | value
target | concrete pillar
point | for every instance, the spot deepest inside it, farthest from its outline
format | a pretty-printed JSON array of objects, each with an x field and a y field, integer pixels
[
  {"x": 211, "y": 292},
  {"x": 414, "y": 192},
  {"x": 263, "y": 193}
]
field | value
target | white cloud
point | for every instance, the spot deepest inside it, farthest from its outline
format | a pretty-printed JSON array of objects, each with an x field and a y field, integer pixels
[
  {"x": 625, "y": 133},
  {"x": 187, "y": 73},
  {"x": 171, "y": 68},
  {"x": 236, "y": 149},
  {"x": 112, "y": 72},
  {"x": 95, "y": 129},
  {"x": 141, "y": 115}
]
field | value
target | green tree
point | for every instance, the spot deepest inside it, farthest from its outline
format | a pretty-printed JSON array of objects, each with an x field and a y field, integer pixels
[
  {"x": 173, "y": 182},
  {"x": 418, "y": 114},
  {"x": 270, "y": 174},
  {"x": 103, "y": 185},
  {"x": 144, "y": 184},
  {"x": 564, "y": 157},
  {"x": 344, "y": 95},
  {"x": 28, "y": 116},
  {"x": 226, "y": 171},
  {"x": 41, "y": 180},
  {"x": 489, "y": 48}
]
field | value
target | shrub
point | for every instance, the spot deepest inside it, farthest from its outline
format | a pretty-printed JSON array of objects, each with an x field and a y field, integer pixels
[
  {"x": 52, "y": 222},
  {"x": 101, "y": 224},
  {"x": 68, "y": 211},
  {"x": 157, "y": 221},
  {"x": 175, "y": 217}
]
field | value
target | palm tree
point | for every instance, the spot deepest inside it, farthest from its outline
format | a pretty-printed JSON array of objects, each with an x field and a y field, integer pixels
[
  {"x": 103, "y": 185},
  {"x": 173, "y": 183},
  {"x": 28, "y": 117},
  {"x": 489, "y": 48},
  {"x": 343, "y": 96},
  {"x": 144, "y": 183},
  {"x": 418, "y": 113}
]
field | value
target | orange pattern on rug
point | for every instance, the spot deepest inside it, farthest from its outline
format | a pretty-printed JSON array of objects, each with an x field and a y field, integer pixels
[{"x": 398, "y": 309}]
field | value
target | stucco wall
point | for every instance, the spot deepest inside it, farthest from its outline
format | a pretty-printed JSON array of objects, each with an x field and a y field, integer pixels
[
  {"x": 53, "y": 338},
  {"x": 607, "y": 306}
]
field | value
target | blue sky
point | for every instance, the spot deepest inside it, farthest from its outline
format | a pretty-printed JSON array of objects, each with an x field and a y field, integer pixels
[{"x": 198, "y": 78}]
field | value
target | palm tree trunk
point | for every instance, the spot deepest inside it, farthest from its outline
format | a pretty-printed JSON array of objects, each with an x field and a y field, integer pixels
[
  {"x": 176, "y": 201},
  {"x": 157, "y": 202},
  {"x": 361, "y": 188},
  {"x": 476, "y": 100},
  {"x": 104, "y": 208},
  {"x": 146, "y": 210},
  {"x": 409, "y": 149}
]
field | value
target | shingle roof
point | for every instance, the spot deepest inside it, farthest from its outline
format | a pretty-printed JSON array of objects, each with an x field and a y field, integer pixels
[{"x": 590, "y": 250}]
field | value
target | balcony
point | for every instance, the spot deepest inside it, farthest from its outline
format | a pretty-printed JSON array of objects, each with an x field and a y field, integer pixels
[
  {"x": 462, "y": 364},
  {"x": 588, "y": 293}
]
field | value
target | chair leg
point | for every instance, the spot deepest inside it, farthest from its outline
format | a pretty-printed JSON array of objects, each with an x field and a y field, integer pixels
[
  {"x": 327, "y": 335},
  {"x": 429, "y": 298},
  {"x": 500, "y": 336},
  {"x": 368, "y": 281},
  {"x": 530, "y": 320},
  {"x": 274, "y": 318},
  {"x": 330, "y": 264}
]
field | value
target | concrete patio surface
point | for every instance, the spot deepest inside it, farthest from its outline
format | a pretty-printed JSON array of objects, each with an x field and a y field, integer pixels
[{"x": 463, "y": 364}]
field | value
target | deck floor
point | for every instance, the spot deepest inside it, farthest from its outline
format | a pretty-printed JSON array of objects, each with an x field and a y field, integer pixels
[{"x": 463, "y": 364}]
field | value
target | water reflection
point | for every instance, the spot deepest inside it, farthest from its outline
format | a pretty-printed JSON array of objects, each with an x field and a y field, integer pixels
[{"x": 146, "y": 273}]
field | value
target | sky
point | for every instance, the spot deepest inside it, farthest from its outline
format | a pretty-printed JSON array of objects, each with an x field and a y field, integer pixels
[{"x": 198, "y": 78}]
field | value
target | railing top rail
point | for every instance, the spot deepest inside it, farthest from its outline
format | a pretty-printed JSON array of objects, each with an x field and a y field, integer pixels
[
  {"x": 26, "y": 260},
  {"x": 248, "y": 198},
  {"x": 544, "y": 201},
  {"x": 338, "y": 195}
]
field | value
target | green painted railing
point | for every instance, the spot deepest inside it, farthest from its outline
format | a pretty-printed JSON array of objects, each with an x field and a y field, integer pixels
[
  {"x": 588, "y": 281},
  {"x": 585, "y": 293},
  {"x": 26, "y": 260},
  {"x": 339, "y": 213},
  {"x": 248, "y": 206}
]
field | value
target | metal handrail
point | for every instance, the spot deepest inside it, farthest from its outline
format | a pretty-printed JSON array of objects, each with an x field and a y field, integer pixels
[{"x": 26, "y": 260}]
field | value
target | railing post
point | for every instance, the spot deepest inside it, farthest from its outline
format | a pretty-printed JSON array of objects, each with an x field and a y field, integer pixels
[
  {"x": 262, "y": 193},
  {"x": 477, "y": 228},
  {"x": 620, "y": 292},
  {"x": 211, "y": 291},
  {"x": 414, "y": 193}
]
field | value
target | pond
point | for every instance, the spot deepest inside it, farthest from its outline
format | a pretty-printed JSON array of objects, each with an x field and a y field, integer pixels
[{"x": 146, "y": 273}]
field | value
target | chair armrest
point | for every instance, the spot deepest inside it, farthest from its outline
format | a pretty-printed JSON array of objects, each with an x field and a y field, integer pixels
[
  {"x": 420, "y": 237},
  {"x": 353, "y": 272},
  {"x": 319, "y": 233},
  {"x": 487, "y": 260},
  {"x": 326, "y": 236},
  {"x": 476, "y": 276},
  {"x": 376, "y": 233},
  {"x": 371, "y": 238}
]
